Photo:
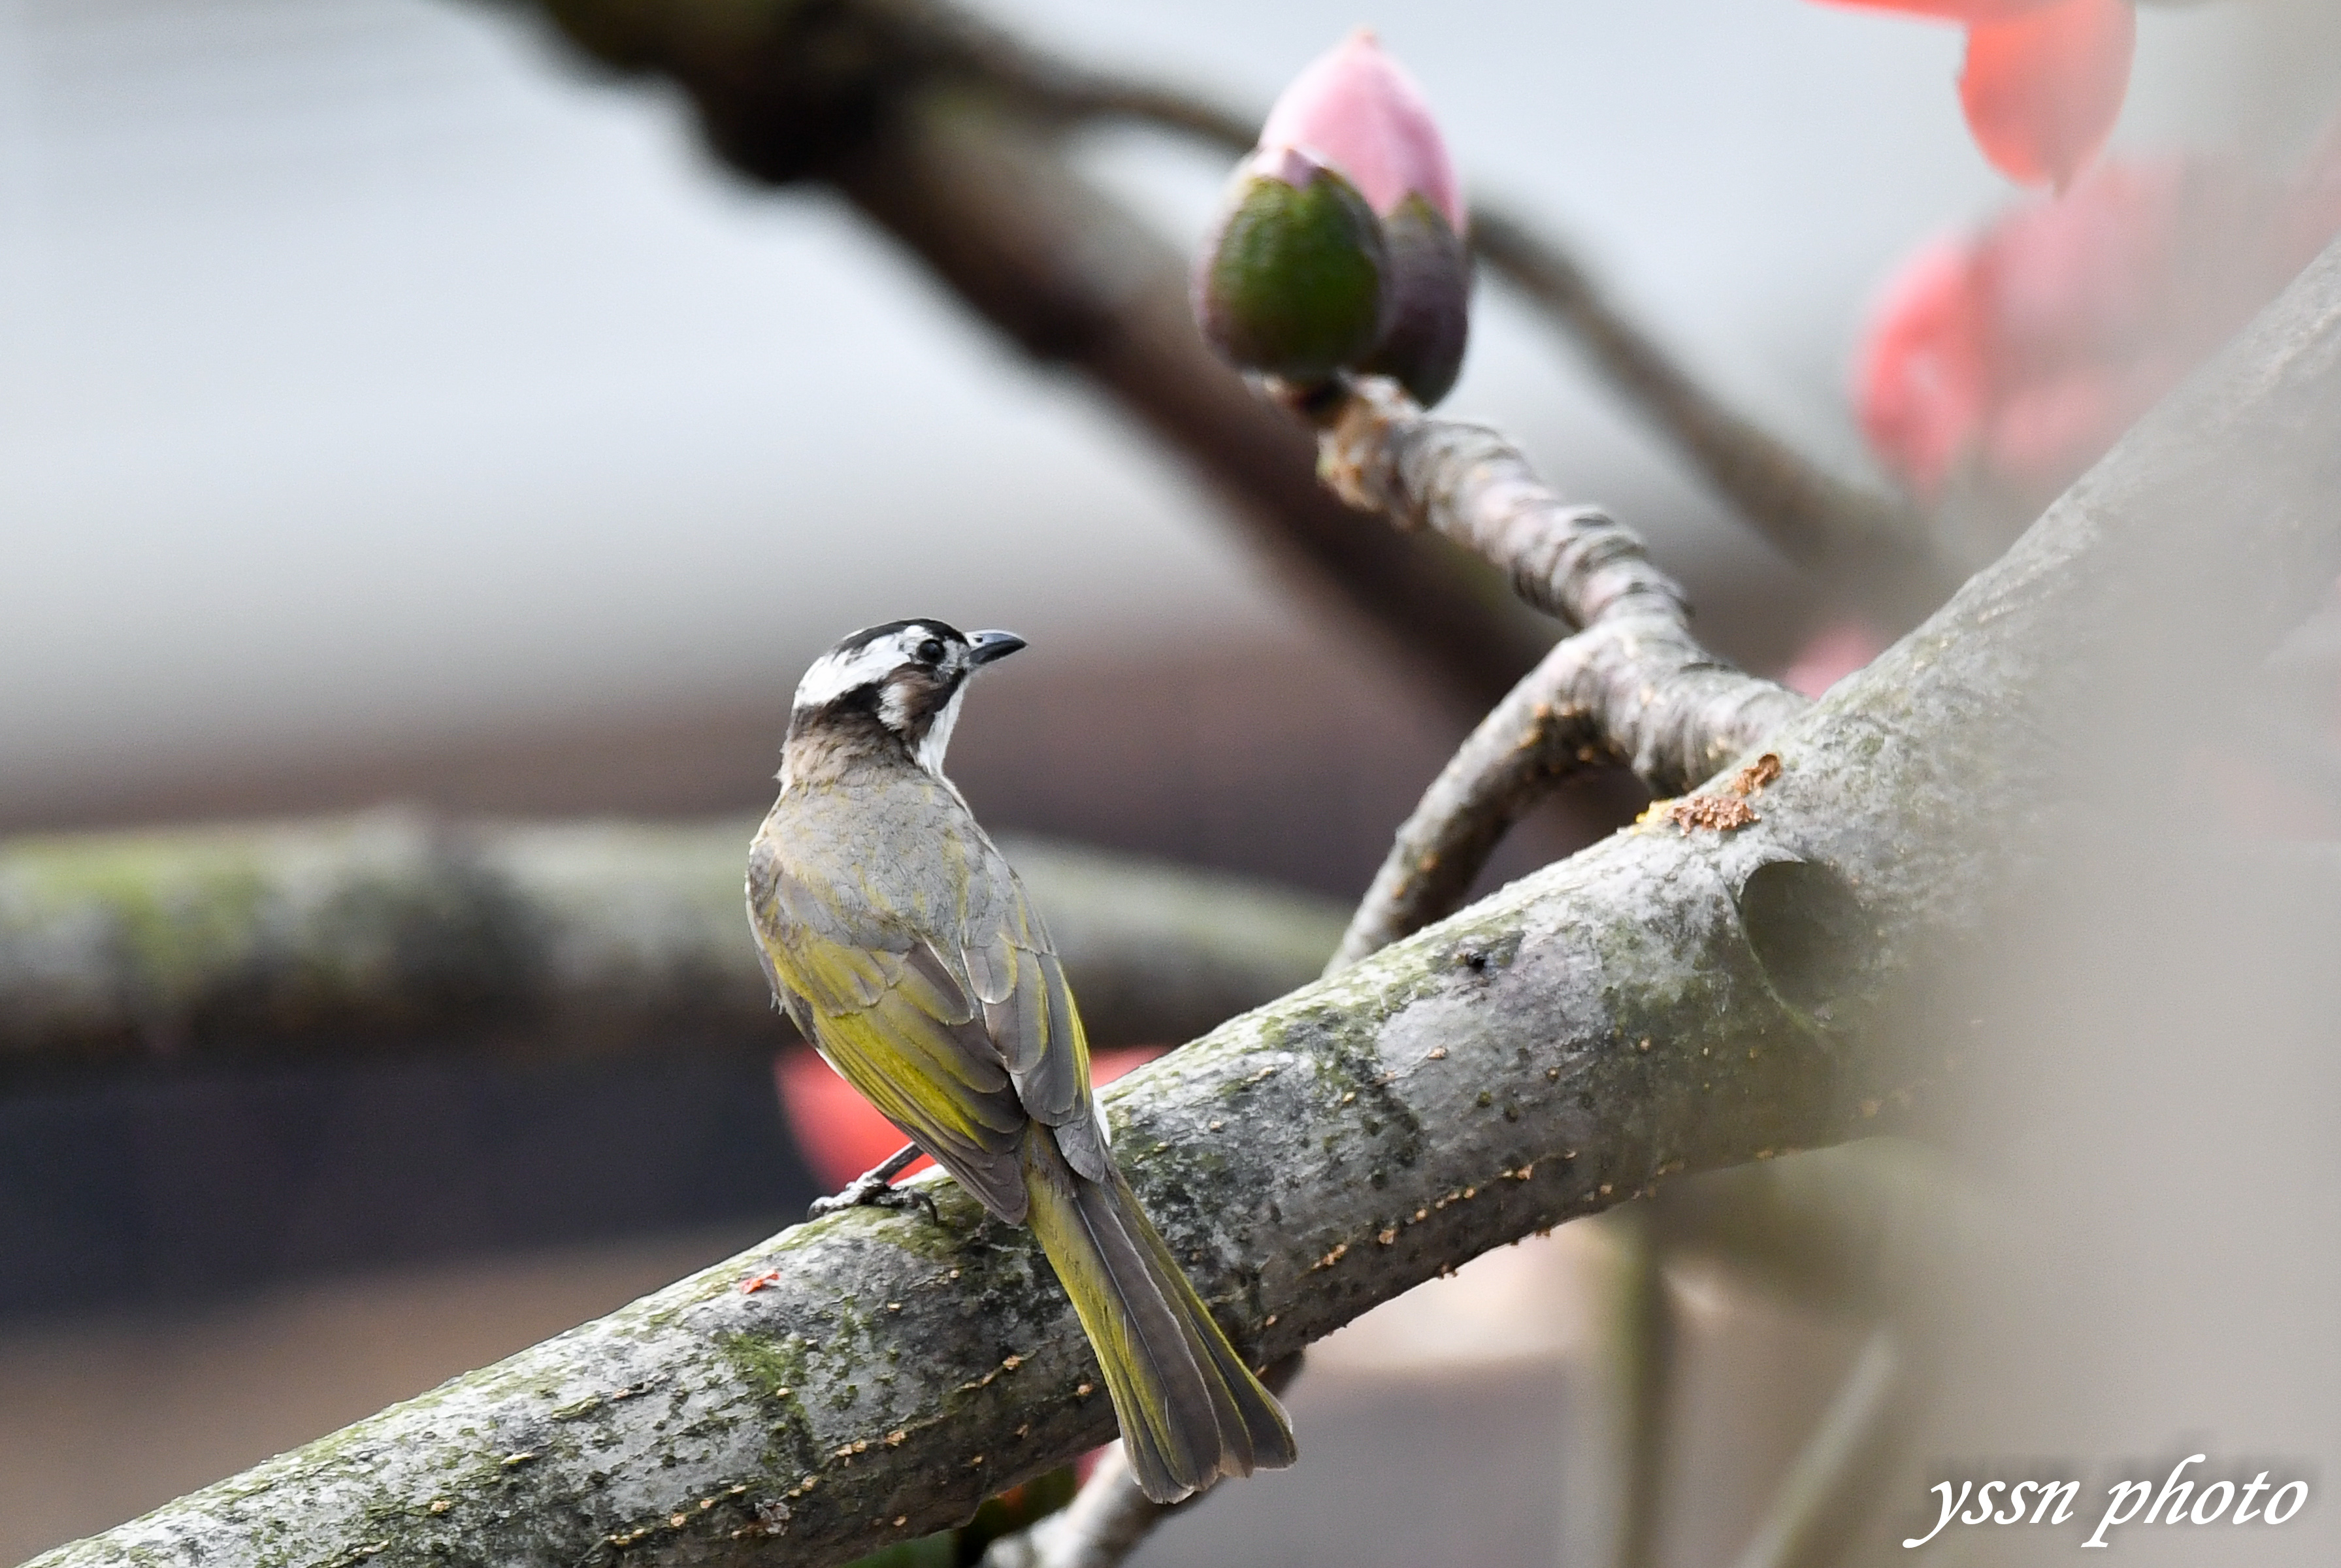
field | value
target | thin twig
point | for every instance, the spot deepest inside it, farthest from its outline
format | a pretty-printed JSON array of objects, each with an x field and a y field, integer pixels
[
  {"x": 1104, "y": 1523},
  {"x": 1882, "y": 1229},
  {"x": 1632, "y": 684},
  {"x": 1519, "y": 753},
  {"x": 1823, "y": 1496},
  {"x": 1642, "y": 1341}
]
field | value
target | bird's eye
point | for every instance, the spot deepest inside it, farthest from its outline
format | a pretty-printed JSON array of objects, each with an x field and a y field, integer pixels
[{"x": 931, "y": 650}]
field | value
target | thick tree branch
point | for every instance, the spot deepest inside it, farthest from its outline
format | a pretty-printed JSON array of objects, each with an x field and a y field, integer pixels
[
  {"x": 1305, "y": 1163},
  {"x": 1631, "y": 684},
  {"x": 318, "y": 937},
  {"x": 1666, "y": 1001}
]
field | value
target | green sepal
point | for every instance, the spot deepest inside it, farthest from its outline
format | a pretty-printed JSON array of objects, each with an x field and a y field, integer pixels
[{"x": 1290, "y": 282}]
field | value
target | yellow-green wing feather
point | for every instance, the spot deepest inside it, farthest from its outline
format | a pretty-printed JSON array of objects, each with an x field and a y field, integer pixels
[
  {"x": 894, "y": 1018},
  {"x": 918, "y": 957}
]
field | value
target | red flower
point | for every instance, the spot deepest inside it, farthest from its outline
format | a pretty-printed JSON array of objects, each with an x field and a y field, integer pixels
[
  {"x": 1919, "y": 376},
  {"x": 2044, "y": 79},
  {"x": 841, "y": 1134},
  {"x": 2019, "y": 356}
]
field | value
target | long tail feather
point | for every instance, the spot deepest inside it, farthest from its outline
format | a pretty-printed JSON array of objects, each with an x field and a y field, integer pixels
[{"x": 1190, "y": 1411}]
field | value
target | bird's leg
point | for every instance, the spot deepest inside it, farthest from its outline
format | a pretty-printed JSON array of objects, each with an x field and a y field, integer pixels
[{"x": 874, "y": 1188}]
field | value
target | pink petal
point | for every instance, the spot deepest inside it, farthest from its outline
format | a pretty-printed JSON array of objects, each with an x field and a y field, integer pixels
[
  {"x": 1919, "y": 374},
  {"x": 2094, "y": 304},
  {"x": 2042, "y": 90},
  {"x": 2030, "y": 352},
  {"x": 2043, "y": 434},
  {"x": 1356, "y": 110},
  {"x": 2085, "y": 276}
]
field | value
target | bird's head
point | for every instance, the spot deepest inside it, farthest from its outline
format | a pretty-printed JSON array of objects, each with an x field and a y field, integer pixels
[{"x": 897, "y": 684}]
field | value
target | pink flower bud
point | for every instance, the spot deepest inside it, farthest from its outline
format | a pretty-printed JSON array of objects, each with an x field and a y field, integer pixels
[
  {"x": 1427, "y": 309},
  {"x": 1355, "y": 115}
]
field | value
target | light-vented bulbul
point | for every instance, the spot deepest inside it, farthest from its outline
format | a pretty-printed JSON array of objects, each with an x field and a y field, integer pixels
[{"x": 903, "y": 945}]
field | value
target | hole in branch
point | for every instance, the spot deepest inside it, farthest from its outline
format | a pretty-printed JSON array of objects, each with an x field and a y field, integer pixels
[{"x": 1807, "y": 929}]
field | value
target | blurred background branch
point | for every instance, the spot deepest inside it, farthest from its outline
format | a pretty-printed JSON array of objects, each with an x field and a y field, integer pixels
[{"x": 399, "y": 931}]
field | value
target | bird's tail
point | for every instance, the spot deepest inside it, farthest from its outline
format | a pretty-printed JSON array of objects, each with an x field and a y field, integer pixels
[{"x": 1190, "y": 1411}]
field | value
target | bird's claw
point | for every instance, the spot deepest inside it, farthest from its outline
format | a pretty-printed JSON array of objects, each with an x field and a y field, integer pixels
[{"x": 876, "y": 1193}]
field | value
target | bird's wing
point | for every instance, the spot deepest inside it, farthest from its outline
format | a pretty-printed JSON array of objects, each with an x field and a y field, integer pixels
[
  {"x": 1029, "y": 1010},
  {"x": 896, "y": 1017}
]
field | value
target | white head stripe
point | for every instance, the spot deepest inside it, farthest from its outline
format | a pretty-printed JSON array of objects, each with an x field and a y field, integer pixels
[{"x": 834, "y": 674}]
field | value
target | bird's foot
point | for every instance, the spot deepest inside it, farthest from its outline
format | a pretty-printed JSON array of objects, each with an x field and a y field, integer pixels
[{"x": 873, "y": 1191}]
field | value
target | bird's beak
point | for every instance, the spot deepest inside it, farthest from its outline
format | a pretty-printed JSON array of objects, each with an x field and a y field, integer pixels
[{"x": 986, "y": 646}]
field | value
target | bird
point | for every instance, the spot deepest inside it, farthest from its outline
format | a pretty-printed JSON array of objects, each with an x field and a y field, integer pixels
[{"x": 902, "y": 944}]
